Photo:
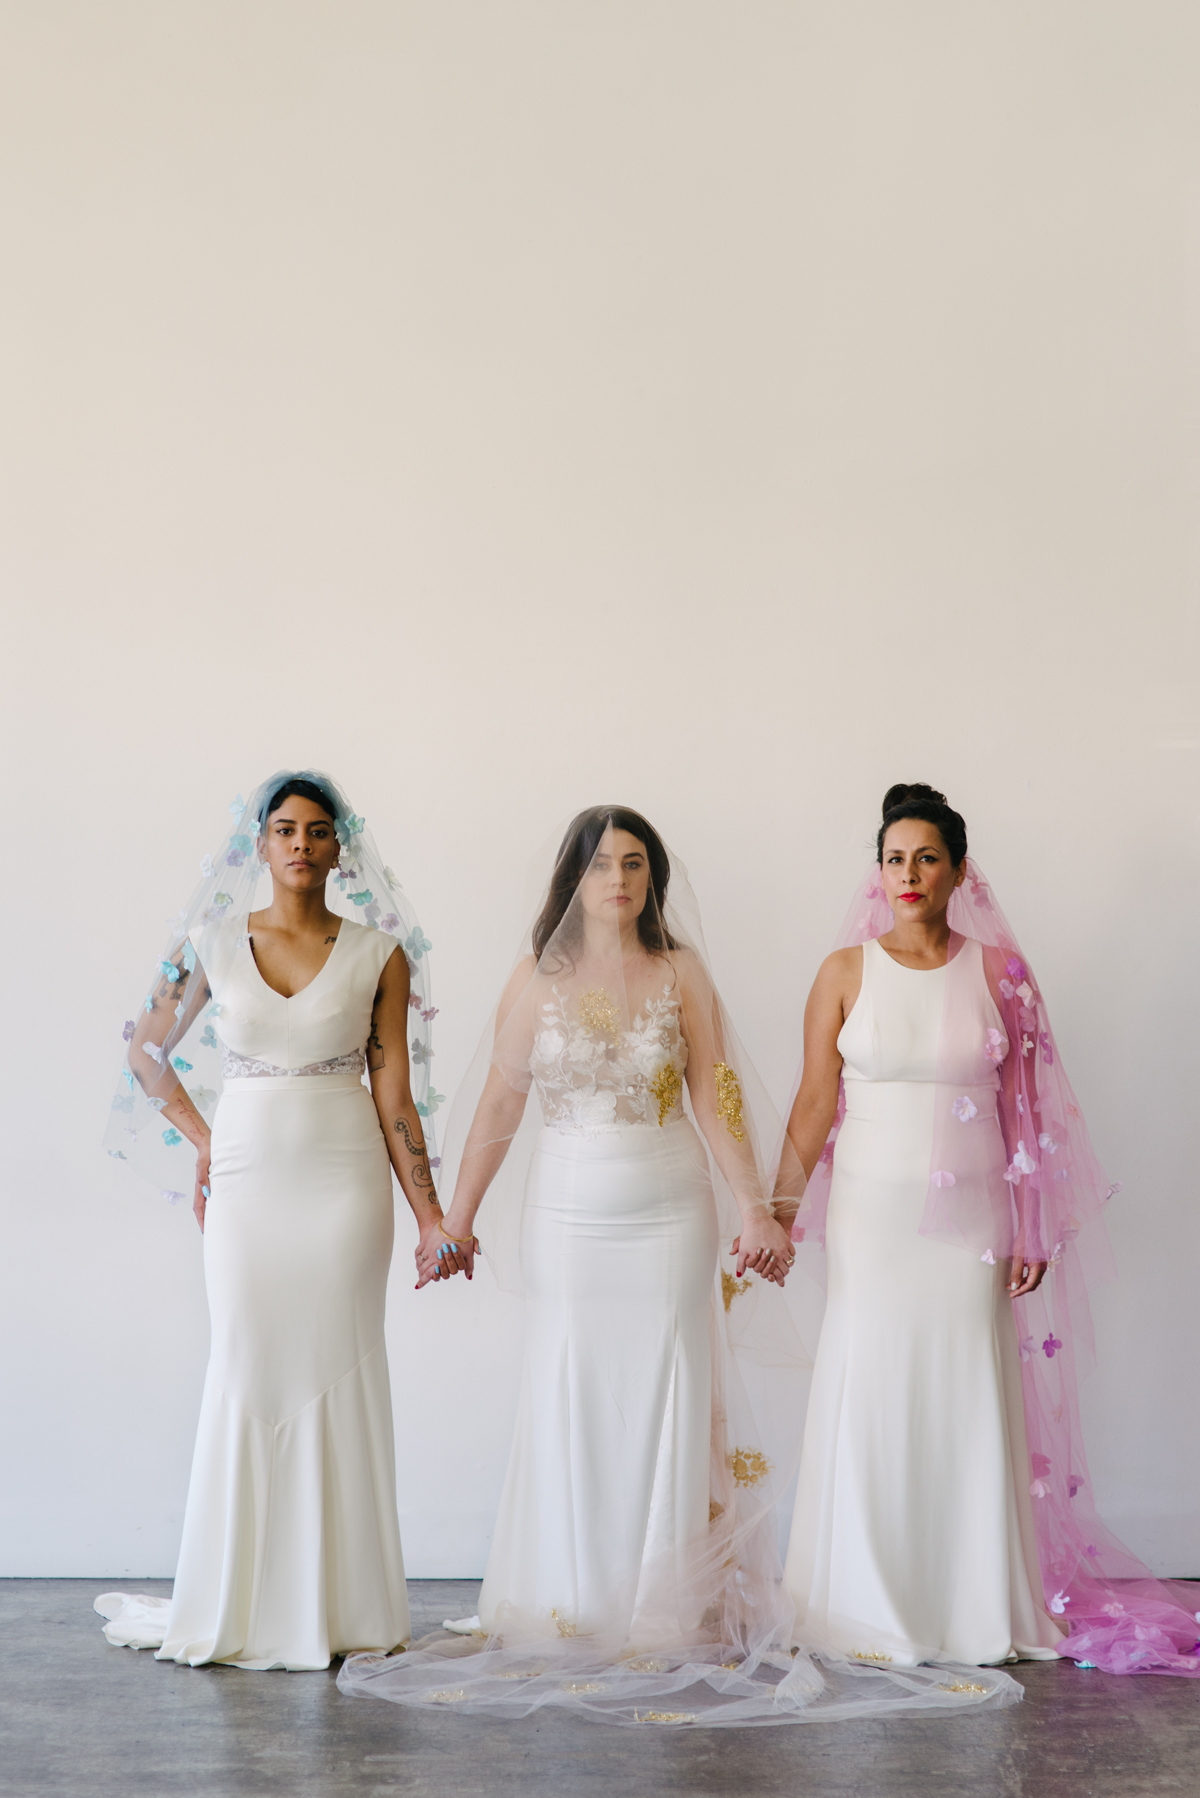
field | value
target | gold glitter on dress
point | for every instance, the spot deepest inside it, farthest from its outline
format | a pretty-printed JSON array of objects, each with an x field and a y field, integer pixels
[
  {"x": 598, "y": 1011},
  {"x": 729, "y": 1100},
  {"x": 748, "y": 1466}
]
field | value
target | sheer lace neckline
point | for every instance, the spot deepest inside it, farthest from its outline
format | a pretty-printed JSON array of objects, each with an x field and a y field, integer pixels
[{"x": 593, "y": 1073}]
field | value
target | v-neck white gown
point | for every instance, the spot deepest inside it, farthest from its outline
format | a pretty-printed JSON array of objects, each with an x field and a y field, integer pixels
[
  {"x": 913, "y": 1536},
  {"x": 291, "y": 1543}
]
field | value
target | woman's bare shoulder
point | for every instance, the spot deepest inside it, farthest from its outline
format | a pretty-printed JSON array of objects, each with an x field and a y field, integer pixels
[
  {"x": 689, "y": 969},
  {"x": 521, "y": 975},
  {"x": 838, "y": 980},
  {"x": 841, "y": 965},
  {"x": 683, "y": 958}
]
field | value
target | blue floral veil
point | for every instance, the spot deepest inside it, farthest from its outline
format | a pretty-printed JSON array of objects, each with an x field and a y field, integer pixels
[{"x": 182, "y": 1038}]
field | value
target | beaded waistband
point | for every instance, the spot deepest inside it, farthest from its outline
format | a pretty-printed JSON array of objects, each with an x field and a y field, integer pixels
[{"x": 249, "y": 1067}]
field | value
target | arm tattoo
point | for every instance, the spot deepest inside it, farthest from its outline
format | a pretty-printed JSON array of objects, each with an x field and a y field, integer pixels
[
  {"x": 420, "y": 1173},
  {"x": 374, "y": 1051}
]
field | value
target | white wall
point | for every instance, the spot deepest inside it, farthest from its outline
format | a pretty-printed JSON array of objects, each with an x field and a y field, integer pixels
[{"x": 728, "y": 409}]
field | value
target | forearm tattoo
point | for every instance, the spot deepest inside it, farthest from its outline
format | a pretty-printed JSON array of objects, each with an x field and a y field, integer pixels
[{"x": 421, "y": 1174}]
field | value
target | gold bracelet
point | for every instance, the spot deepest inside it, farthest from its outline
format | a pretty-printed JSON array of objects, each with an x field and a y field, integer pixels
[{"x": 456, "y": 1240}]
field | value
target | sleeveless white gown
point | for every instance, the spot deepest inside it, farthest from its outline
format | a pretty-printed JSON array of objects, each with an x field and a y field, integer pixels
[
  {"x": 609, "y": 1473},
  {"x": 913, "y": 1536},
  {"x": 291, "y": 1542}
]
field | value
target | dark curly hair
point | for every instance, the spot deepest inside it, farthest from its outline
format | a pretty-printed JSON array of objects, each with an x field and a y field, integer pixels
[
  {"x": 572, "y": 863},
  {"x": 919, "y": 801}
]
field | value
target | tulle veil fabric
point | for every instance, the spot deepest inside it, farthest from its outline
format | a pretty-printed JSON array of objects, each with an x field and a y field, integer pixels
[
  {"x": 1049, "y": 1204},
  {"x": 711, "y": 1641},
  {"x": 174, "y": 1038}
]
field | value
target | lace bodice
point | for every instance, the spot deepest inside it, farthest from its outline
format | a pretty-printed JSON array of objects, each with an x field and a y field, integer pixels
[{"x": 592, "y": 1074}]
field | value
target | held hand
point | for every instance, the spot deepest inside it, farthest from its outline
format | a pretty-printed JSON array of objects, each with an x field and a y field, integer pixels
[
  {"x": 764, "y": 1247},
  {"x": 440, "y": 1258},
  {"x": 430, "y": 1265},
  {"x": 203, "y": 1186},
  {"x": 1025, "y": 1276}
]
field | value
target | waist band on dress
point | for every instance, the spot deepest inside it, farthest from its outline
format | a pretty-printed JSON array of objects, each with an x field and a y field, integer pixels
[{"x": 249, "y": 1067}]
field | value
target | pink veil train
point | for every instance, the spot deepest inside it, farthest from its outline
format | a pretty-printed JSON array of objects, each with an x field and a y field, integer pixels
[{"x": 1121, "y": 1618}]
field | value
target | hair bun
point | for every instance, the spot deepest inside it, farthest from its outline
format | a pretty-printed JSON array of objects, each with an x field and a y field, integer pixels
[{"x": 906, "y": 794}]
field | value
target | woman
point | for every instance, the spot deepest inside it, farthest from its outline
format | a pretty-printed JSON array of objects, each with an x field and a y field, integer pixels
[
  {"x": 609, "y": 1017},
  {"x": 942, "y": 1476},
  {"x": 291, "y": 1543},
  {"x": 634, "y": 1555}
]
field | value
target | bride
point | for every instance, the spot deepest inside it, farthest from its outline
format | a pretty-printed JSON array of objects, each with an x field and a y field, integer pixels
[
  {"x": 291, "y": 1543},
  {"x": 610, "y": 1017},
  {"x": 944, "y": 1511}
]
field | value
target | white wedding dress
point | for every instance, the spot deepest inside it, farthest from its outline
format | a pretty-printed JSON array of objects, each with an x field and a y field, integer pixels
[
  {"x": 913, "y": 1536},
  {"x": 608, "y": 1485},
  {"x": 291, "y": 1543}
]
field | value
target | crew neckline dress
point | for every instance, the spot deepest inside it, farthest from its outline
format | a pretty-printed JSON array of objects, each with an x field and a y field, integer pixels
[{"x": 913, "y": 1535}]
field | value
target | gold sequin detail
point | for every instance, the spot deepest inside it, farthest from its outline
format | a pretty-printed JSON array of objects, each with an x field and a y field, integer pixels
[
  {"x": 598, "y": 1011},
  {"x": 580, "y": 1687},
  {"x": 525, "y": 1673},
  {"x": 729, "y": 1100},
  {"x": 730, "y": 1666},
  {"x": 963, "y": 1685},
  {"x": 870, "y": 1654},
  {"x": 731, "y": 1288},
  {"x": 666, "y": 1086},
  {"x": 646, "y": 1664},
  {"x": 715, "y": 1510},
  {"x": 665, "y": 1717},
  {"x": 447, "y": 1697},
  {"x": 564, "y": 1628},
  {"x": 748, "y": 1466}
]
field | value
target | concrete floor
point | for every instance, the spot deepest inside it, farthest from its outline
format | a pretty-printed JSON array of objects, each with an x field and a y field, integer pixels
[{"x": 79, "y": 1719}]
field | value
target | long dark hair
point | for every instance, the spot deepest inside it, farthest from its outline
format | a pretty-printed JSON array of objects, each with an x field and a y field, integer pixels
[
  {"x": 931, "y": 807},
  {"x": 572, "y": 863}
]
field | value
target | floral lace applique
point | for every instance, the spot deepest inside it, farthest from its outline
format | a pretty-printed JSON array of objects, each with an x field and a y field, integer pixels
[
  {"x": 249, "y": 1067},
  {"x": 592, "y": 1075}
]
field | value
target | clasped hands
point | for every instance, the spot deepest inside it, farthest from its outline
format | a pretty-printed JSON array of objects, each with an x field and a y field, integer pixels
[
  {"x": 765, "y": 1248},
  {"x": 442, "y": 1252}
]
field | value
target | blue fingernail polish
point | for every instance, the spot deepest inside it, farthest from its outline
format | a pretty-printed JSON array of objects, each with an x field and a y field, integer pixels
[{"x": 206, "y": 1192}]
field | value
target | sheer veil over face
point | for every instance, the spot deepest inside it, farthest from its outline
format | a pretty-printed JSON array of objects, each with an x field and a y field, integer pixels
[{"x": 174, "y": 1036}]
